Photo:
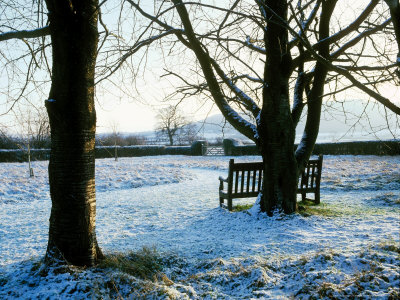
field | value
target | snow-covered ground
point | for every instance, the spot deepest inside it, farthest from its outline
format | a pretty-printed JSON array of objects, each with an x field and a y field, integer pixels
[{"x": 349, "y": 249}]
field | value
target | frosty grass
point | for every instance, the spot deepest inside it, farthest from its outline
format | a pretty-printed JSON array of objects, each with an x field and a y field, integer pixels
[{"x": 348, "y": 247}]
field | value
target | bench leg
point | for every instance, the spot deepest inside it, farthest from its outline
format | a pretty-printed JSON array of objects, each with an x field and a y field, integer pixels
[
  {"x": 230, "y": 204},
  {"x": 221, "y": 188},
  {"x": 317, "y": 197},
  {"x": 303, "y": 196}
]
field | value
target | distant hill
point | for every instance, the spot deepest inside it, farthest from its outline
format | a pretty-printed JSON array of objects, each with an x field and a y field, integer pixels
[
  {"x": 215, "y": 126},
  {"x": 333, "y": 128}
]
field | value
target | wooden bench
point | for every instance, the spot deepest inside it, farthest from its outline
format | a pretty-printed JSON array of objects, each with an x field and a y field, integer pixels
[{"x": 245, "y": 179}]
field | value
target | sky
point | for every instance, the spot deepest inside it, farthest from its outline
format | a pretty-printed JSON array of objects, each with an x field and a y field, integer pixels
[
  {"x": 136, "y": 115},
  {"x": 135, "y": 110},
  {"x": 128, "y": 116}
]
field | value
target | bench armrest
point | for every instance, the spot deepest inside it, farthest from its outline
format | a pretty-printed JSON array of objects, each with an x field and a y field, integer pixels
[{"x": 223, "y": 179}]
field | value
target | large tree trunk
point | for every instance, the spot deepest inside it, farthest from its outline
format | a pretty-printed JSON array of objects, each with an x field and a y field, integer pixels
[
  {"x": 276, "y": 128},
  {"x": 73, "y": 26}
]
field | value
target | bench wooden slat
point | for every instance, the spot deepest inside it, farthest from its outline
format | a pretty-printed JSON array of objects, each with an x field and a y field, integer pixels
[
  {"x": 309, "y": 182},
  {"x": 312, "y": 176},
  {"x": 253, "y": 187},
  {"x": 236, "y": 181},
  {"x": 248, "y": 182},
  {"x": 247, "y": 166},
  {"x": 242, "y": 181},
  {"x": 245, "y": 195}
]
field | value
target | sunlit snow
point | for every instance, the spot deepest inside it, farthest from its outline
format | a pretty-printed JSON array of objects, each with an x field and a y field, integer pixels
[{"x": 171, "y": 203}]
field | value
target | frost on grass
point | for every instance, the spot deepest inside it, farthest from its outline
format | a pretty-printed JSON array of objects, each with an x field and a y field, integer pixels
[
  {"x": 204, "y": 251},
  {"x": 362, "y": 173},
  {"x": 325, "y": 274}
]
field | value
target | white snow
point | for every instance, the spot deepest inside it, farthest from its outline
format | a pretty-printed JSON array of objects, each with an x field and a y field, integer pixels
[{"x": 171, "y": 203}]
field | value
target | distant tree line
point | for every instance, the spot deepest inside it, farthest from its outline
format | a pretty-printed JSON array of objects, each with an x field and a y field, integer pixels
[
  {"x": 109, "y": 139},
  {"x": 9, "y": 141},
  {"x": 39, "y": 141}
]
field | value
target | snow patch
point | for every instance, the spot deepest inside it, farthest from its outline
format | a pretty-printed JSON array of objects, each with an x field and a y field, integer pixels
[{"x": 171, "y": 202}]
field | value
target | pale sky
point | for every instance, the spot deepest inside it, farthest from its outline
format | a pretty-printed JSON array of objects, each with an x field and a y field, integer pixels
[
  {"x": 136, "y": 115},
  {"x": 129, "y": 117}
]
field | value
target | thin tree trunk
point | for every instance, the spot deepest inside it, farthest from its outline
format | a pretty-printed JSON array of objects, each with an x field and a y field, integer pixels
[
  {"x": 72, "y": 116},
  {"x": 276, "y": 128},
  {"x": 171, "y": 138}
]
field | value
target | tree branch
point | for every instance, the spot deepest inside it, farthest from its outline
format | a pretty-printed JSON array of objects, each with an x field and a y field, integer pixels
[
  {"x": 304, "y": 150},
  {"x": 243, "y": 126},
  {"x": 25, "y": 34},
  {"x": 394, "y": 8}
]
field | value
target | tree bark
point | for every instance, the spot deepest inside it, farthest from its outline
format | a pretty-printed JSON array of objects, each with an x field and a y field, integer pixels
[
  {"x": 276, "y": 128},
  {"x": 72, "y": 116}
]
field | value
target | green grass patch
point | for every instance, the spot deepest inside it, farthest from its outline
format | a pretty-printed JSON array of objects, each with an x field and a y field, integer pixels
[
  {"x": 242, "y": 207},
  {"x": 308, "y": 208},
  {"x": 144, "y": 264},
  {"x": 305, "y": 208}
]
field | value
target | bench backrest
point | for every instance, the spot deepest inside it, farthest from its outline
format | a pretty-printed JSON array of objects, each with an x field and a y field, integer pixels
[
  {"x": 245, "y": 179},
  {"x": 311, "y": 176}
]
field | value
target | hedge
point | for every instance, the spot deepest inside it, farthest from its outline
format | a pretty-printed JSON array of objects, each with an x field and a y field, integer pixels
[
  {"x": 392, "y": 147},
  {"x": 231, "y": 147}
]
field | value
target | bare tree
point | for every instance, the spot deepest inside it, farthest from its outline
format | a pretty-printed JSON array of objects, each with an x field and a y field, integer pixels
[
  {"x": 171, "y": 124},
  {"x": 72, "y": 26},
  {"x": 24, "y": 54},
  {"x": 33, "y": 131},
  {"x": 188, "y": 134},
  {"x": 72, "y": 115},
  {"x": 270, "y": 60},
  {"x": 37, "y": 127},
  {"x": 394, "y": 8},
  {"x": 26, "y": 135},
  {"x": 61, "y": 40},
  {"x": 115, "y": 133}
]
